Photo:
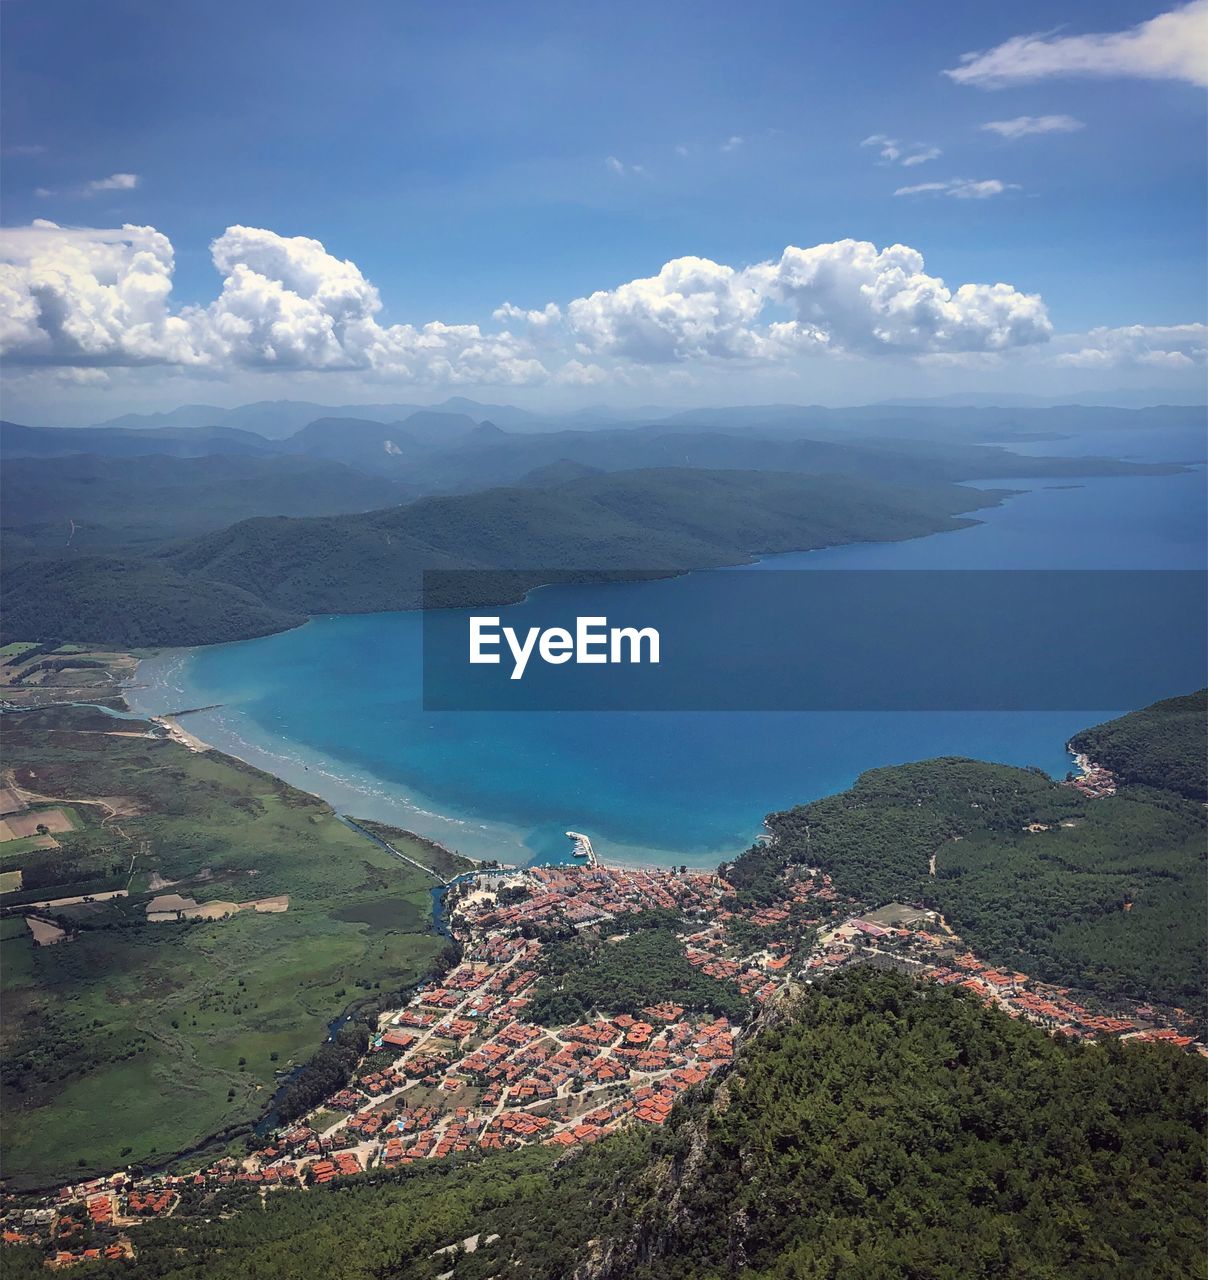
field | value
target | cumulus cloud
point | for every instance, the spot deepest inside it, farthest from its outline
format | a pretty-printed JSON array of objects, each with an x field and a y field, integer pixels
[
  {"x": 1178, "y": 346},
  {"x": 732, "y": 143},
  {"x": 83, "y": 296},
  {"x": 538, "y": 322},
  {"x": 865, "y": 299},
  {"x": 1172, "y": 46},
  {"x": 1024, "y": 126},
  {"x": 960, "y": 188},
  {"x": 845, "y": 296},
  {"x": 921, "y": 157},
  {"x": 693, "y": 308},
  {"x": 86, "y": 298}
]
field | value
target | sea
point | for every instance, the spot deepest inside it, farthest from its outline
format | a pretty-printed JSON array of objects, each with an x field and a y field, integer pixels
[{"x": 335, "y": 707}]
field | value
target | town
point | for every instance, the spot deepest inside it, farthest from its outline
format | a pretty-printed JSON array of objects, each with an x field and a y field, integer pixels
[{"x": 463, "y": 1065}]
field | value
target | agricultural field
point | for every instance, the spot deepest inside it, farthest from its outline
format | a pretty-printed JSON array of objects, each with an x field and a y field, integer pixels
[
  {"x": 36, "y": 675},
  {"x": 130, "y": 1039}
]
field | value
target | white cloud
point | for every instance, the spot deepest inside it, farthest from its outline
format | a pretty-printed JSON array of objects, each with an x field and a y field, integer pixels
[
  {"x": 1024, "y": 126},
  {"x": 846, "y": 297},
  {"x": 1178, "y": 346},
  {"x": 85, "y": 298},
  {"x": 88, "y": 297},
  {"x": 574, "y": 373},
  {"x": 865, "y": 299},
  {"x": 921, "y": 157},
  {"x": 620, "y": 168},
  {"x": 732, "y": 143},
  {"x": 693, "y": 308},
  {"x": 1172, "y": 46},
  {"x": 961, "y": 188},
  {"x": 888, "y": 148},
  {"x": 892, "y": 151},
  {"x": 80, "y": 296},
  {"x": 115, "y": 182},
  {"x": 541, "y": 321}
]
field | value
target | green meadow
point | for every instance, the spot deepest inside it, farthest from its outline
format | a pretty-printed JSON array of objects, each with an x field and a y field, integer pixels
[{"x": 135, "y": 1040}]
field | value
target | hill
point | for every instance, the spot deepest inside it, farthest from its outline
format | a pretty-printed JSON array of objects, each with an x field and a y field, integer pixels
[
  {"x": 1102, "y": 894},
  {"x": 662, "y": 521},
  {"x": 17, "y": 441},
  {"x": 1160, "y": 746},
  {"x": 95, "y": 502}
]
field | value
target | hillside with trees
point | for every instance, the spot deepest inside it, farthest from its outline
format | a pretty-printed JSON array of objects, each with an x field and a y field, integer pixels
[
  {"x": 662, "y": 521},
  {"x": 875, "y": 1127},
  {"x": 1105, "y": 895},
  {"x": 1160, "y": 746}
]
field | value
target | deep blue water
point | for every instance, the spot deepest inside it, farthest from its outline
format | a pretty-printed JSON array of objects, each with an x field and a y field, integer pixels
[{"x": 335, "y": 706}]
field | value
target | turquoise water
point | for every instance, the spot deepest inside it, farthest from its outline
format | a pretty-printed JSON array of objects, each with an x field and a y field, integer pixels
[{"x": 334, "y": 707}]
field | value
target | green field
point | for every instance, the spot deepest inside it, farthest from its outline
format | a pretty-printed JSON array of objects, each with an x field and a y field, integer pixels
[
  {"x": 16, "y": 649},
  {"x": 136, "y": 1040}
]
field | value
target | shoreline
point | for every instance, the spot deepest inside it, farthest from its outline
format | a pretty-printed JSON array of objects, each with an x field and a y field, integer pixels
[{"x": 353, "y": 791}]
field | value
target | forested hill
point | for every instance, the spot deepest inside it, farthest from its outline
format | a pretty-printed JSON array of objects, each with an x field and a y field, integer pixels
[
  {"x": 1104, "y": 894},
  {"x": 1161, "y": 746},
  {"x": 663, "y": 520},
  {"x": 876, "y": 1128}
]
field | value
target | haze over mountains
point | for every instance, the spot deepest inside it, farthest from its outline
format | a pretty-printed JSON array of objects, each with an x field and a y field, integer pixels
[{"x": 171, "y": 533}]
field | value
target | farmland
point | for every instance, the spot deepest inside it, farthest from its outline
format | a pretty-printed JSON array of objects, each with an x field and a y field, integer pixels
[{"x": 131, "y": 1040}]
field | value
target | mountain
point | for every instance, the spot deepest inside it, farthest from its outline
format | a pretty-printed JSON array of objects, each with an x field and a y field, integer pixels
[
  {"x": 17, "y": 441},
  {"x": 131, "y": 603},
  {"x": 662, "y": 521},
  {"x": 273, "y": 419},
  {"x": 555, "y": 473},
  {"x": 493, "y": 458},
  {"x": 94, "y": 502}
]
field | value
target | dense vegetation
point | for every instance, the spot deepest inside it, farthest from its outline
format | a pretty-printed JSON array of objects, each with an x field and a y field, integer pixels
[
  {"x": 883, "y": 1129},
  {"x": 1107, "y": 896},
  {"x": 129, "y": 603},
  {"x": 1165, "y": 745},
  {"x": 95, "y": 502},
  {"x": 329, "y": 1070},
  {"x": 586, "y": 974},
  {"x": 265, "y": 574},
  {"x": 138, "y": 1039}
]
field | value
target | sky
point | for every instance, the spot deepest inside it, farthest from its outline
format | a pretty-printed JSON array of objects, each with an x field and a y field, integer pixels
[{"x": 561, "y": 205}]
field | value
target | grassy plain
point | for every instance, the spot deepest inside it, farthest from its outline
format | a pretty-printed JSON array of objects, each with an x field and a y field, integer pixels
[{"x": 136, "y": 1039}]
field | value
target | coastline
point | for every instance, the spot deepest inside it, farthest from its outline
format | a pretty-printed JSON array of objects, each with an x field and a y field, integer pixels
[{"x": 353, "y": 791}]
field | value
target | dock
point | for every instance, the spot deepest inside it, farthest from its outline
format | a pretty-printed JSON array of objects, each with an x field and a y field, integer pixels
[{"x": 583, "y": 849}]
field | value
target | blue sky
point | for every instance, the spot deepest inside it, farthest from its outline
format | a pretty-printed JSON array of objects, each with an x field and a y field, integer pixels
[{"x": 463, "y": 156}]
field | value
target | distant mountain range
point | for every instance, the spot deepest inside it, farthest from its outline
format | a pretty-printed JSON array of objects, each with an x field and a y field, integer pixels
[
  {"x": 110, "y": 487},
  {"x": 277, "y": 419},
  {"x": 170, "y": 533}
]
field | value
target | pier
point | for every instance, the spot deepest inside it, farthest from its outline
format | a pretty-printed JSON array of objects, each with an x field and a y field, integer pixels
[{"x": 583, "y": 849}]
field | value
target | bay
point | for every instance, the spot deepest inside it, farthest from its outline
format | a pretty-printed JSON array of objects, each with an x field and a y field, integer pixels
[{"x": 334, "y": 706}]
